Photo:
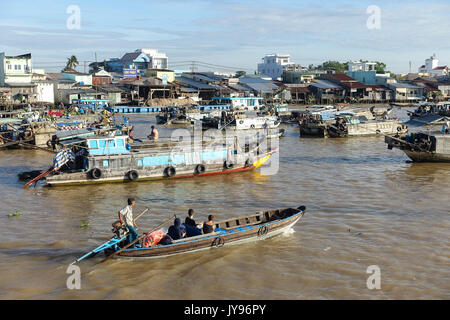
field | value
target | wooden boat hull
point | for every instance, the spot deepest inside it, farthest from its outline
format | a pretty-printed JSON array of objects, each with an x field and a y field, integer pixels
[
  {"x": 78, "y": 178},
  {"x": 313, "y": 130},
  {"x": 436, "y": 151},
  {"x": 418, "y": 156},
  {"x": 271, "y": 223},
  {"x": 377, "y": 127}
]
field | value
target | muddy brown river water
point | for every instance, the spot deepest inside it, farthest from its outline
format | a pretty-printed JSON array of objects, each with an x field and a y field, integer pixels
[{"x": 365, "y": 206}]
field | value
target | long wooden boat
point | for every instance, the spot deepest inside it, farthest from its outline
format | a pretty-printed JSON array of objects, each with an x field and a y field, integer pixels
[{"x": 258, "y": 226}]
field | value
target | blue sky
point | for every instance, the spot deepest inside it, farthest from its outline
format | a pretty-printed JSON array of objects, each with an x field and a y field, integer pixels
[{"x": 229, "y": 32}]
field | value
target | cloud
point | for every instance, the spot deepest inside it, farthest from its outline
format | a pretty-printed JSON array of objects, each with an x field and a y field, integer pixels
[{"x": 241, "y": 32}]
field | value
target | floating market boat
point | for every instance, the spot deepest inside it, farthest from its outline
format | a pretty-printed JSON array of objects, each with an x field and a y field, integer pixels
[
  {"x": 423, "y": 147},
  {"x": 345, "y": 124},
  {"x": 239, "y": 120},
  {"x": 381, "y": 111},
  {"x": 430, "y": 114},
  {"x": 99, "y": 159},
  {"x": 351, "y": 125},
  {"x": 243, "y": 103},
  {"x": 258, "y": 226}
]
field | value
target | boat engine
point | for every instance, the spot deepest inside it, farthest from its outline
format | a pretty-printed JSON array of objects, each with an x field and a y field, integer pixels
[{"x": 119, "y": 229}]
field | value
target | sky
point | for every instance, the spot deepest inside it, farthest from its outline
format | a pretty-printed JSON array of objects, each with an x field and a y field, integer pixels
[{"x": 233, "y": 33}]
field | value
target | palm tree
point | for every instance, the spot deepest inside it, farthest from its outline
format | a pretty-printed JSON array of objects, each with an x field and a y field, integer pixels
[{"x": 72, "y": 62}]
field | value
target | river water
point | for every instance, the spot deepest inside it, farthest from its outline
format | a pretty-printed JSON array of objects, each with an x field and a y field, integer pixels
[{"x": 366, "y": 205}]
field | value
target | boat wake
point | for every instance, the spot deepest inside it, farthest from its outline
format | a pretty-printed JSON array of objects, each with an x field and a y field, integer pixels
[{"x": 288, "y": 231}]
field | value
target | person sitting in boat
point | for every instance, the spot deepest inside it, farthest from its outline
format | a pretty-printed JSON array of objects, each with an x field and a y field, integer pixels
[
  {"x": 208, "y": 226},
  {"x": 153, "y": 134},
  {"x": 176, "y": 231},
  {"x": 192, "y": 228},
  {"x": 189, "y": 221},
  {"x": 126, "y": 217}
]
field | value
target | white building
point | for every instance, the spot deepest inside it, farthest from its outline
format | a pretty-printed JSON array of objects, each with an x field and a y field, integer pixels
[
  {"x": 354, "y": 66},
  {"x": 440, "y": 71},
  {"x": 143, "y": 59},
  {"x": 430, "y": 64},
  {"x": 272, "y": 65},
  {"x": 84, "y": 79},
  {"x": 45, "y": 91},
  {"x": 432, "y": 68},
  {"x": 15, "y": 69},
  {"x": 158, "y": 60}
]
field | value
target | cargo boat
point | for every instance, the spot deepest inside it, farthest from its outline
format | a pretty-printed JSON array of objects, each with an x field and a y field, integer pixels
[{"x": 102, "y": 159}]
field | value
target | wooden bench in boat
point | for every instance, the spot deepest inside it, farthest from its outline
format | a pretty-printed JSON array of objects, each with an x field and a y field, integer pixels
[{"x": 243, "y": 221}]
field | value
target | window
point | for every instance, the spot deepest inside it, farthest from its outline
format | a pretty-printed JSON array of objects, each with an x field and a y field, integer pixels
[
  {"x": 93, "y": 144},
  {"x": 102, "y": 143},
  {"x": 106, "y": 163},
  {"x": 111, "y": 143},
  {"x": 120, "y": 143},
  {"x": 9, "y": 67}
]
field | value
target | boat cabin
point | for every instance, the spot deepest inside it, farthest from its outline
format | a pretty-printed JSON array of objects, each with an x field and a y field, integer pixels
[
  {"x": 92, "y": 104},
  {"x": 107, "y": 145},
  {"x": 251, "y": 103}
]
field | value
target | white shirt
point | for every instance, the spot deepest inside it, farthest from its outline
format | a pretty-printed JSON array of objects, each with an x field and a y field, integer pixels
[{"x": 127, "y": 213}]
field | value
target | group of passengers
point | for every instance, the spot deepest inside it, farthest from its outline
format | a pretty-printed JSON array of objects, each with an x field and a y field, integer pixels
[{"x": 190, "y": 228}]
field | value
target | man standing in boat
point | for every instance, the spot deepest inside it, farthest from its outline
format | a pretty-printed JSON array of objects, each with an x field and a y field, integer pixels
[
  {"x": 126, "y": 217},
  {"x": 153, "y": 134}
]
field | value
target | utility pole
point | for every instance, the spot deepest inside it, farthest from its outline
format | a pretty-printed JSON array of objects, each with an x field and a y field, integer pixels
[{"x": 193, "y": 67}]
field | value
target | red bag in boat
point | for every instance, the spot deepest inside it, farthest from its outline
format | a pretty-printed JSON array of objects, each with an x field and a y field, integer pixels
[
  {"x": 152, "y": 239},
  {"x": 55, "y": 113}
]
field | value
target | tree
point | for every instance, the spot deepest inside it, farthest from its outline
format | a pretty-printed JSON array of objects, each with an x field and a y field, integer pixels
[
  {"x": 437, "y": 96},
  {"x": 310, "y": 99},
  {"x": 380, "y": 67},
  {"x": 311, "y": 67},
  {"x": 71, "y": 63},
  {"x": 240, "y": 74},
  {"x": 335, "y": 66}
]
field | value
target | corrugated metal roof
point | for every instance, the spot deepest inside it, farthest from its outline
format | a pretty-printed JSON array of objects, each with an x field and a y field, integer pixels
[
  {"x": 130, "y": 56},
  {"x": 239, "y": 87},
  {"x": 189, "y": 90},
  {"x": 404, "y": 85},
  {"x": 253, "y": 80},
  {"x": 195, "y": 84},
  {"x": 261, "y": 86},
  {"x": 323, "y": 84},
  {"x": 207, "y": 77},
  {"x": 424, "y": 120}
]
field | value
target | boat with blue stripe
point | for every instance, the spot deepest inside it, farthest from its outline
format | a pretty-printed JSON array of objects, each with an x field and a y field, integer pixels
[
  {"x": 258, "y": 226},
  {"x": 104, "y": 158}
]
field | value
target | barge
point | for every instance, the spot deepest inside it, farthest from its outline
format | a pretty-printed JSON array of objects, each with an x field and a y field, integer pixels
[{"x": 102, "y": 159}]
